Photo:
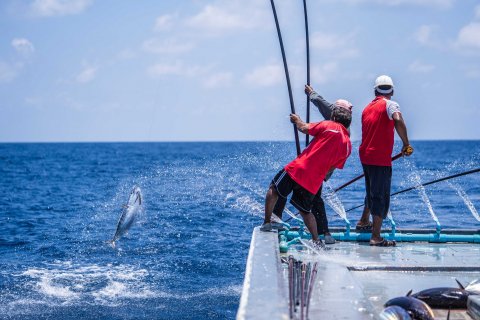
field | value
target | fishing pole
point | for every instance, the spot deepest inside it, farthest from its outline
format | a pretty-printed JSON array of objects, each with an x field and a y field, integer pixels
[
  {"x": 362, "y": 175},
  {"x": 307, "y": 42},
  {"x": 426, "y": 184},
  {"x": 349, "y": 183},
  {"x": 292, "y": 106}
]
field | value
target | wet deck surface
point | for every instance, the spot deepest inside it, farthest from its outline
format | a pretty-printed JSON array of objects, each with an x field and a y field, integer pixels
[{"x": 354, "y": 279}]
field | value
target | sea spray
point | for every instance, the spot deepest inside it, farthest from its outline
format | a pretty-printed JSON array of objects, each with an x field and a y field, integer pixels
[
  {"x": 331, "y": 198},
  {"x": 415, "y": 178},
  {"x": 458, "y": 188},
  {"x": 465, "y": 199}
]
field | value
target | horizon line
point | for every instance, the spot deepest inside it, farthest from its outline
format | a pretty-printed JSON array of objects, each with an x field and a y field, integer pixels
[{"x": 195, "y": 141}]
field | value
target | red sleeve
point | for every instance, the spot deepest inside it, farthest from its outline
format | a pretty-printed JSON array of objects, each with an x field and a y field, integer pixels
[
  {"x": 316, "y": 128},
  {"x": 341, "y": 163}
]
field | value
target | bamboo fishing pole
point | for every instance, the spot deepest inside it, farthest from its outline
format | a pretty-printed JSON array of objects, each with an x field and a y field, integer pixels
[
  {"x": 292, "y": 106},
  {"x": 363, "y": 174},
  {"x": 426, "y": 184},
  {"x": 307, "y": 42}
]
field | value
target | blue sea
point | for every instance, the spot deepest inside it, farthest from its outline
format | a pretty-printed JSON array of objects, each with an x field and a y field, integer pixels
[{"x": 185, "y": 255}]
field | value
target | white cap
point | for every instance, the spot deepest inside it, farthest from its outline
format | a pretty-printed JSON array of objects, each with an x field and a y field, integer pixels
[
  {"x": 384, "y": 80},
  {"x": 342, "y": 103}
]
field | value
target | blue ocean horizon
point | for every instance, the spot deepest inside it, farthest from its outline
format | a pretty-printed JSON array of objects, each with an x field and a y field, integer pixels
[{"x": 185, "y": 256}]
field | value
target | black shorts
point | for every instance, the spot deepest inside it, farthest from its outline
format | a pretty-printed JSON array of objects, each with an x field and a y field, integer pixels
[
  {"x": 301, "y": 198},
  {"x": 378, "y": 180}
]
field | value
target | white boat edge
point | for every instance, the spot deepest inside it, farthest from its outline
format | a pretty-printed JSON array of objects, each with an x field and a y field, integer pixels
[{"x": 264, "y": 294}]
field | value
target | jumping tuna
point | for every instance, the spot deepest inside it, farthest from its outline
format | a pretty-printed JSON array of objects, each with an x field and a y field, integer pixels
[
  {"x": 445, "y": 297},
  {"x": 130, "y": 211},
  {"x": 417, "y": 309}
]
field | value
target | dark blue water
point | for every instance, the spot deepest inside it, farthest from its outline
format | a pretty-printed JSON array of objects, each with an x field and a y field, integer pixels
[{"x": 184, "y": 258}]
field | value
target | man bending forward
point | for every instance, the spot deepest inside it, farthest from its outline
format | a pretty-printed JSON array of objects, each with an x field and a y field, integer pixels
[{"x": 303, "y": 176}]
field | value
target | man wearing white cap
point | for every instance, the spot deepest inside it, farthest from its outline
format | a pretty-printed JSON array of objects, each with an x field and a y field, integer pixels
[
  {"x": 326, "y": 108},
  {"x": 379, "y": 119}
]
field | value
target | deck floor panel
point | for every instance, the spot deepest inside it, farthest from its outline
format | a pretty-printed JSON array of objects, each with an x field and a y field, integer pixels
[
  {"x": 340, "y": 292},
  {"x": 354, "y": 279}
]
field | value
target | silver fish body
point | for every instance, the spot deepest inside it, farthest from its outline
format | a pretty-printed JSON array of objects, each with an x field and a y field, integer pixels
[
  {"x": 129, "y": 213},
  {"x": 416, "y": 308},
  {"x": 394, "y": 313}
]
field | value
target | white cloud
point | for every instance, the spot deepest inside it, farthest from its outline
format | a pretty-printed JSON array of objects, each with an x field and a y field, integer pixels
[
  {"x": 125, "y": 54},
  {"x": 176, "y": 69},
  {"x": 472, "y": 71},
  {"x": 266, "y": 76},
  {"x": 443, "y": 4},
  {"x": 230, "y": 16},
  {"x": 48, "y": 8},
  {"x": 164, "y": 22},
  {"x": 477, "y": 12},
  {"x": 341, "y": 45},
  {"x": 167, "y": 46},
  {"x": 23, "y": 46},
  {"x": 221, "y": 79},
  {"x": 323, "y": 73},
  {"x": 440, "y": 4},
  {"x": 87, "y": 74},
  {"x": 424, "y": 34},
  {"x": 419, "y": 67},
  {"x": 469, "y": 37},
  {"x": 7, "y": 72},
  {"x": 325, "y": 41}
]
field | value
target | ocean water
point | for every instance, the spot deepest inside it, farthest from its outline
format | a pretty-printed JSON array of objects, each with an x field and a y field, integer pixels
[{"x": 184, "y": 257}]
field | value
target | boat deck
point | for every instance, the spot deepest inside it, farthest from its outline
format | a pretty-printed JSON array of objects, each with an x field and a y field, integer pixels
[{"x": 354, "y": 279}]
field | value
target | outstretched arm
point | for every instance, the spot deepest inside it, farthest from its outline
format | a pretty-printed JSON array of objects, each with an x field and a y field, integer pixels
[
  {"x": 323, "y": 105},
  {"x": 301, "y": 126}
]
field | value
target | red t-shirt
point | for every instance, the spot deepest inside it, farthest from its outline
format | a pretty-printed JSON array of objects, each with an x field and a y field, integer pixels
[
  {"x": 377, "y": 134},
  {"x": 330, "y": 148}
]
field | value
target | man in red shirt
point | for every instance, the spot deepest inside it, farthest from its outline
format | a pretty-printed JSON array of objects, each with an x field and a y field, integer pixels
[
  {"x": 304, "y": 176},
  {"x": 379, "y": 119}
]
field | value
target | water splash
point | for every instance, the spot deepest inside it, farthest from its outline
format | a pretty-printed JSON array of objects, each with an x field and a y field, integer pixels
[
  {"x": 465, "y": 198},
  {"x": 415, "y": 178},
  {"x": 331, "y": 198}
]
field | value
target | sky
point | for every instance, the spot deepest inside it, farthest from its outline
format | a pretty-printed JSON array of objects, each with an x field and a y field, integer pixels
[{"x": 211, "y": 70}]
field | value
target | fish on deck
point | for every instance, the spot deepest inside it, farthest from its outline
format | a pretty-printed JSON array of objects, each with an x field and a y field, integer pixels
[
  {"x": 129, "y": 213},
  {"x": 445, "y": 297}
]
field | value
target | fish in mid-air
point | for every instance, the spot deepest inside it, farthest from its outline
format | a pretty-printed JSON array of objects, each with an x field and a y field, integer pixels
[{"x": 130, "y": 211}]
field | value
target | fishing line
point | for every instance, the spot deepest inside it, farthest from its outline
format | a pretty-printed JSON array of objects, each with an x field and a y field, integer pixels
[
  {"x": 426, "y": 184},
  {"x": 292, "y": 106}
]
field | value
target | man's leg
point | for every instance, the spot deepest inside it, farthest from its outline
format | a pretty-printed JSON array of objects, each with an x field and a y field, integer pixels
[
  {"x": 303, "y": 201},
  {"x": 379, "y": 202},
  {"x": 365, "y": 218},
  {"x": 311, "y": 224},
  {"x": 281, "y": 186},
  {"x": 279, "y": 207},
  {"x": 376, "y": 229},
  {"x": 318, "y": 210},
  {"x": 270, "y": 200}
]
